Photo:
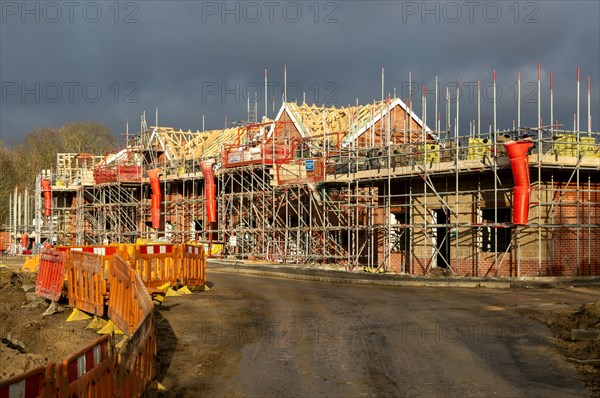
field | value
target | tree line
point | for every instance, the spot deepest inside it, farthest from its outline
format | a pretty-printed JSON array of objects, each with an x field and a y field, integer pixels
[{"x": 23, "y": 161}]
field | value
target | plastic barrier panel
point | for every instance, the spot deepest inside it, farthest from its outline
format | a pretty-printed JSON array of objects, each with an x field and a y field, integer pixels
[
  {"x": 98, "y": 370},
  {"x": 127, "y": 252},
  {"x": 119, "y": 302},
  {"x": 157, "y": 264},
  {"x": 106, "y": 251},
  {"x": 89, "y": 372},
  {"x": 50, "y": 278},
  {"x": 25, "y": 385},
  {"x": 87, "y": 286},
  {"x": 137, "y": 366},
  {"x": 129, "y": 301},
  {"x": 142, "y": 302},
  {"x": 193, "y": 265}
]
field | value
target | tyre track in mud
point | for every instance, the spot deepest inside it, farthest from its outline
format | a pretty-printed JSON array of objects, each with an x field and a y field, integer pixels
[{"x": 263, "y": 337}]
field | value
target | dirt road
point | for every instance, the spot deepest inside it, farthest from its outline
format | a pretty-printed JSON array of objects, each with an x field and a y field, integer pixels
[{"x": 262, "y": 337}]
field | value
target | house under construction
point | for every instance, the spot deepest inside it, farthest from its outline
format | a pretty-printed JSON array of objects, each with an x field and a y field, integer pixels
[{"x": 357, "y": 187}]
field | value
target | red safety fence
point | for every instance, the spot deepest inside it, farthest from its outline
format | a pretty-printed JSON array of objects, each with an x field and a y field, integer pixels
[
  {"x": 28, "y": 385},
  {"x": 193, "y": 265},
  {"x": 86, "y": 283},
  {"x": 51, "y": 276},
  {"x": 89, "y": 372},
  {"x": 103, "y": 174}
]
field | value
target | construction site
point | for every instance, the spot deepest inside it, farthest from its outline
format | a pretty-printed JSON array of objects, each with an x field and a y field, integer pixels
[{"x": 367, "y": 187}]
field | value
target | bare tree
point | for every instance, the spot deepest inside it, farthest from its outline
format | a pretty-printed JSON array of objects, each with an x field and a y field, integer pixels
[{"x": 21, "y": 164}]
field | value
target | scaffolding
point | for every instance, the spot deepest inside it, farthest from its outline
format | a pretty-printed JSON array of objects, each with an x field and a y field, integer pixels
[{"x": 358, "y": 188}]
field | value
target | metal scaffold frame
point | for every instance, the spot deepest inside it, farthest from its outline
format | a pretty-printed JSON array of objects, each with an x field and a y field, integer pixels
[{"x": 399, "y": 199}]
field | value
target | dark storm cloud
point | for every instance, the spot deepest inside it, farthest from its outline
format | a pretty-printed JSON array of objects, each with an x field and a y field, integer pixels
[{"x": 195, "y": 58}]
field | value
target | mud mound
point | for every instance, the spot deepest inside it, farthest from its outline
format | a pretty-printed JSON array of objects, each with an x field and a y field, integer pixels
[
  {"x": 27, "y": 339},
  {"x": 16, "y": 362},
  {"x": 588, "y": 316},
  {"x": 15, "y": 279}
]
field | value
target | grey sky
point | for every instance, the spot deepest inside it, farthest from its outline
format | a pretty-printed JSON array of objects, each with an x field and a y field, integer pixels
[{"x": 193, "y": 58}]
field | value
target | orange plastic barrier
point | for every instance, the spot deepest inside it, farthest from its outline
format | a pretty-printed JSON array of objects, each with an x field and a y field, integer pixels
[
  {"x": 142, "y": 302},
  {"x": 89, "y": 372},
  {"x": 137, "y": 365},
  {"x": 129, "y": 301},
  {"x": 106, "y": 251},
  {"x": 193, "y": 265},
  {"x": 157, "y": 264},
  {"x": 28, "y": 385},
  {"x": 119, "y": 301},
  {"x": 100, "y": 250},
  {"x": 87, "y": 286},
  {"x": 98, "y": 370},
  {"x": 50, "y": 278}
]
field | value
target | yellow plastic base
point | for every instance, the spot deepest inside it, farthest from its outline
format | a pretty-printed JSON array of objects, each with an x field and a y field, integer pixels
[{"x": 78, "y": 315}]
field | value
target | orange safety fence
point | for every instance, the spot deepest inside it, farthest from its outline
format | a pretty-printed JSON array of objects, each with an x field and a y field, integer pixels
[
  {"x": 29, "y": 384},
  {"x": 142, "y": 302},
  {"x": 119, "y": 301},
  {"x": 193, "y": 265},
  {"x": 129, "y": 301},
  {"x": 106, "y": 251},
  {"x": 93, "y": 273},
  {"x": 157, "y": 264},
  {"x": 101, "y": 250},
  {"x": 137, "y": 365},
  {"x": 131, "y": 309},
  {"x": 50, "y": 278},
  {"x": 86, "y": 283},
  {"x": 89, "y": 372}
]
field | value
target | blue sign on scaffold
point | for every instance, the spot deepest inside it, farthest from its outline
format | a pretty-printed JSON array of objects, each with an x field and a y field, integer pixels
[{"x": 310, "y": 165}]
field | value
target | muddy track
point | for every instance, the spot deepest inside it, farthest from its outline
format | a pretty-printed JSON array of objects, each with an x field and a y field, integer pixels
[{"x": 262, "y": 337}]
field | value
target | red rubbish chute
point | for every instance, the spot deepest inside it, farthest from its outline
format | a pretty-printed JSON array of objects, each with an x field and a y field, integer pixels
[
  {"x": 47, "y": 191},
  {"x": 519, "y": 163},
  {"x": 154, "y": 176},
  {"x": 210, "y": 189}
]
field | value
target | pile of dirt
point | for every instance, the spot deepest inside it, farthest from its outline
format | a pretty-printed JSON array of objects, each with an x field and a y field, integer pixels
[
  {"x": 28, "y": 339},
  {"x": 11, "y": 279},
  {"x": 584, "y": 354}
]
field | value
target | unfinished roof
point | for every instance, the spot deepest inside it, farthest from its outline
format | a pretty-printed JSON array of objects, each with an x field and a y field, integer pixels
[
  {"x": 353, "y": 121},
  {"x": 311, "y": 121},
  {"x": 170, "y": 141},
  {"x": 209, "y": 144}
]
